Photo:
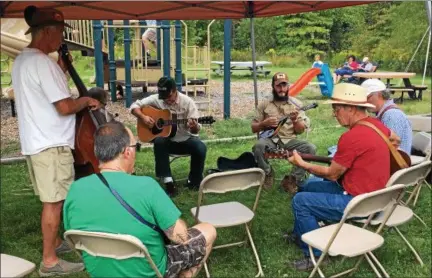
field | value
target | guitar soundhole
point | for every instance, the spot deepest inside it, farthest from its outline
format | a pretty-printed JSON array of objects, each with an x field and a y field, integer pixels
[
  {"x": 160, "y": 123},
  {"x": 157, "y": 128}
]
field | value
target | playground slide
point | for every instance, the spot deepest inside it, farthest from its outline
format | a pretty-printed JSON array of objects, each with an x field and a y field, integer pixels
[
  {"x": 306, "y": 77},
  {"x": 323, "y": 75},
  {"x": 13, "y": 40}
]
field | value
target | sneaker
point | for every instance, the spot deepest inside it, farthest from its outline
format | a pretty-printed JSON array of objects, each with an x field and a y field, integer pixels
[
  {"x": 63, "y": 248},
  {"x": 306, "y": 264},
  {"x": 289, "y": 184},
  {"x": 171, "y": 189},
  {"x": 292, "y": 238},
  {"x": 61, "y": 268},
  {"x": 269, "y": 179}
]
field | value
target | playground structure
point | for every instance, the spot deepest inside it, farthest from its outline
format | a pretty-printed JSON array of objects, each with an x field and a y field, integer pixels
[{"x": 86, "y": 36}]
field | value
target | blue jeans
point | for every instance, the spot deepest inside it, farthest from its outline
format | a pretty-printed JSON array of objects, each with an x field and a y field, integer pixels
[
  {"x": 317, "y": 200},
  {"x": 344, "y": 71}
]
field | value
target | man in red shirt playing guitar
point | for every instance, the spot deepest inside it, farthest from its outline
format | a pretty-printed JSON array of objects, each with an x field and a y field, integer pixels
[{"x": 360, "y": 165}]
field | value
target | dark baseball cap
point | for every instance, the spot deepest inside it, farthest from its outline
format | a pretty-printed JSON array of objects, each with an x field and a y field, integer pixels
[
  {"x": 165, "y": 86},
  {"x": 279, "y": 78},
  {"x": 37, "y": 18}
]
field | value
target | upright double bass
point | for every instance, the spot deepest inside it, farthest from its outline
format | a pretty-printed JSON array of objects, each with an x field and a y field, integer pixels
[{"x": 87, "y": 122}]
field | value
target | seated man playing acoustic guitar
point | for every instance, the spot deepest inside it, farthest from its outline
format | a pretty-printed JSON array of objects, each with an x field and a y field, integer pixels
[
  {"x": 185, "y": 141},
  {"x": 267, "y": 116}
]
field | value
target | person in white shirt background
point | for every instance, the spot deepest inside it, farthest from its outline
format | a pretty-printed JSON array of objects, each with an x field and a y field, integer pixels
[
  {"x": 149, "y": 36},
  {"x": 46, "y": 119}
]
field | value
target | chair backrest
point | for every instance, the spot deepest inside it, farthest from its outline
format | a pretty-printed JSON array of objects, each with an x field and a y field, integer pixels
[
  {"x": 115, "y": 246},
  {"x": 228, "y": 181},
  {"x": 412, "y": 175},
  {"x": 422, "y": 142},
  {"x": 367, "y": 204}
]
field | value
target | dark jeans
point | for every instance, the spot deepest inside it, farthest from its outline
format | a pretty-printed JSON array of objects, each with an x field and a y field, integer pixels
[
  {"x": 317, "y": 200},
  {"x": 163, "y": 147}
]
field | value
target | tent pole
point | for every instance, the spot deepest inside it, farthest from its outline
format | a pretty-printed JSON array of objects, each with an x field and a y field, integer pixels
[
  {"x": 227, "y": 68},
  {"x": 427, "y": 56},
  {"x": 252, "y": 31},
  {"x": 418, "y": 47}
]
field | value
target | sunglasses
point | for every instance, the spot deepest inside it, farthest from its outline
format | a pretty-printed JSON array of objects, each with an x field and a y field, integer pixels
[{"x": 137, "y": 146}]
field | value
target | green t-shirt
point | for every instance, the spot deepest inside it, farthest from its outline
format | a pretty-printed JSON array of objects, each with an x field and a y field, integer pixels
[{"x": 90, "y": 206}]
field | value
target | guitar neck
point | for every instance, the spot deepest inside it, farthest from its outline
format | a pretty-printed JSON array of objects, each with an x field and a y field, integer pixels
[
  {"x": 305, "y": 156},
  {"x": 175, "y": 122}
]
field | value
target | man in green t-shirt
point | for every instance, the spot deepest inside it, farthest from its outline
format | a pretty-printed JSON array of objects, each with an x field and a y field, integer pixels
[{"x": 90, "y": 206}]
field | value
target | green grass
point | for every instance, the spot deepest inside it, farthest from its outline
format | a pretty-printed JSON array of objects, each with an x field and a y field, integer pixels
[{"x": 20, "y": 213}]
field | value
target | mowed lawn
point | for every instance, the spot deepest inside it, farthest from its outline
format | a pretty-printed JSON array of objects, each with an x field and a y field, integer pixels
[{"x": 20, "y": 209}]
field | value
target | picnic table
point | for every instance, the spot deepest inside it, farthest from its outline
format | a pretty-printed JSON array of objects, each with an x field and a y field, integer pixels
[
  {"x": 405, "y": 76},
  {"x": 248, "y": 65}
]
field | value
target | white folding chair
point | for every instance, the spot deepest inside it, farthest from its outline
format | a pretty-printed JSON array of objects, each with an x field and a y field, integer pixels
[
  {"x": 114, "y": 246},
  {"x": 233, "y": 213},
  {"x": 422, "y": 143},
  {"x": 410, "y": 177},
  {"x": 337, "y": 239},
  {"x": 12, "y": 266}
]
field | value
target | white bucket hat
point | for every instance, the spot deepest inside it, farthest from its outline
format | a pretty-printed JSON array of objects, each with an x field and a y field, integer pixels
[
  {"x": 349, "y": 94},
  {"x": 373, "y": 86}
]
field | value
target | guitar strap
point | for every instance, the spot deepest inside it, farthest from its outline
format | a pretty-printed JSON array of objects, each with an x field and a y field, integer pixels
[{"x": 396, "y": 155}]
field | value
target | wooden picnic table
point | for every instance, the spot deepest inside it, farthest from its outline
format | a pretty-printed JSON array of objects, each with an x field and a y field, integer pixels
[
  {"x": 247, "y": 65},
  {"x": 405, "y": 76}
]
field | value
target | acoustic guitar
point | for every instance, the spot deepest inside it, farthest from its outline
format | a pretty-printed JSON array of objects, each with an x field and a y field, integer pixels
[
  {"x": 273, "y": 131},
  {"x": 165, "y": 123},
  {"x": 284, "y": 154}
]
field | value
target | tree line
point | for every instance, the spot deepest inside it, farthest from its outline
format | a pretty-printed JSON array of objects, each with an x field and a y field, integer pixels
[{"x": 387, "y": 32}]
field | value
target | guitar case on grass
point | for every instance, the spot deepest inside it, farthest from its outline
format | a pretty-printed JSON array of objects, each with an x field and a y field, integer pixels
[{"x": 245, "y": 161}]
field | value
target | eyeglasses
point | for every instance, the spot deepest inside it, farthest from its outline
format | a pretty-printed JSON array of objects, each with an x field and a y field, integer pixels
[
  {"x": 336, "y": 109},
  {"x": 137, "y": 146}
]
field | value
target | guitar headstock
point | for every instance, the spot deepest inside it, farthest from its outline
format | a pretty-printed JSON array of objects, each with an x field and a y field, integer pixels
[
  {"x": 64, "y": 51},
  {"x": 310, "y": 106},
  {"x": 206, "y": 120}
]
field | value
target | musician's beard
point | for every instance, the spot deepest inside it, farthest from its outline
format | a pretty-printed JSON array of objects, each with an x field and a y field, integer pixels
[{"x": 276, "y": 97}]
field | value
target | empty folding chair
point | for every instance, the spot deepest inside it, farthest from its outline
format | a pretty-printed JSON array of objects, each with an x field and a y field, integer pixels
[
  {"x": 421, "y": 143},
  {"x": 413, "y": 176},
  {"x": 230, "y": 214},
  {"x": 114, "y": 246},
  {"x": 337, "y": 239},
  {"x": 12, "y": 266},
  {"x": 410, "y": 176}
]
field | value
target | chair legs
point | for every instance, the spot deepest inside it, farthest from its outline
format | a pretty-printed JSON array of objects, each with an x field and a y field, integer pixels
[
  {"x": 260, "y": 271},
  {"x": 410, "y": 246}
]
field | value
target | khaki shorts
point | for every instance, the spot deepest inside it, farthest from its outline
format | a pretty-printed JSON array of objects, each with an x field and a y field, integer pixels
[{"x": 52, "y": 172}]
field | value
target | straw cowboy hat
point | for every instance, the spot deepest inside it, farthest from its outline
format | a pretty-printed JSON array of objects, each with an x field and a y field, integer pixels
[{"x": 349, "y": 94}]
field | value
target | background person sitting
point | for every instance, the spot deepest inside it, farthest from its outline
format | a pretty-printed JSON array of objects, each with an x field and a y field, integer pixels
[
  {"x": 366, "y": 65},
  {"x": 347, "y": 69}
]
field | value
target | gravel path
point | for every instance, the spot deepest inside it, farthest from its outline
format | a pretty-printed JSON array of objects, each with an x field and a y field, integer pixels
[{"x": 242, "y": 105}]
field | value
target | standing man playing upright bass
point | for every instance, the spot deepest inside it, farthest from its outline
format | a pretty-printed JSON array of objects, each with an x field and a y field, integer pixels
[
  {"x": 268, "y": 115},
  {"x": 46, "y": 119}
]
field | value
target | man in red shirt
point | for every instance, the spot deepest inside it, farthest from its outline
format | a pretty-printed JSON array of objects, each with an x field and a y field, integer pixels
[{"x": 360, "y": 165}]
